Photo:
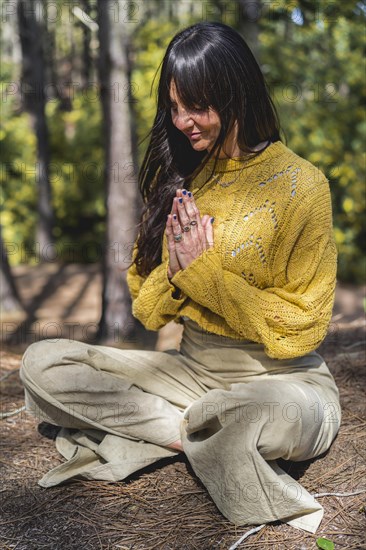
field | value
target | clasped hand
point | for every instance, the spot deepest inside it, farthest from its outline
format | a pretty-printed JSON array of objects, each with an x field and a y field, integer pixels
[{"x": 195, "y": 241}]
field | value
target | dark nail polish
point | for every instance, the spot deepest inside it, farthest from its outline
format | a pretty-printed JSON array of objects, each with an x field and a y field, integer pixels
[
  {"x": 184, "y": 192},
  {"x": 180, "y": 200},
  {"x": 189, "y": 194},
  {"x": 212, "y": 220},
  {"x": 175, "y": 216}
]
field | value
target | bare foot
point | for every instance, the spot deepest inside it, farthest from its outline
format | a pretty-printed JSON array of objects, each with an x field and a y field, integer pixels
[{"x": 177, "y": 445}]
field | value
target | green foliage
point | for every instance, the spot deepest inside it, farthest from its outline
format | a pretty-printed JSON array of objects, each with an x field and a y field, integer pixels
[
  {"x": 18, "y": 198},
  {"x": 311, "y": 55},
  {"x": 313, "y": 69},
  {"x": 76, "y": 176},
  {"x": 325, "y": 544}
]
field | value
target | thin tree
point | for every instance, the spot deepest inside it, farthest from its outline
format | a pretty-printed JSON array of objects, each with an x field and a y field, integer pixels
[
  {"x": 53, "y": 75},
  {"x": 31, "y": 31},
  {"x": 248, "y": 24},
  {"x": 120, "y": 176},
  {"x": 9, "y": 297},
  {"x": 87, "y": 59}
]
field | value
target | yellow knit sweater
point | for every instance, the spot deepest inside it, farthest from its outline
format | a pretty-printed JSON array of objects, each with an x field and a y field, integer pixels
[{"x": 270, "y": 276}]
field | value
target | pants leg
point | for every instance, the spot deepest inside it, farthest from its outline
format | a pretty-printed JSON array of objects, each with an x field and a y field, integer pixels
[
  {"x": 135, "y": 393},
  {"x": 118, "y": 409},
  {"x": 232, "y": 439}
]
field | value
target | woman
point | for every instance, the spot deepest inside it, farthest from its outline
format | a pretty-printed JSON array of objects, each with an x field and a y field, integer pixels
[{"x": 236, "y": 243}]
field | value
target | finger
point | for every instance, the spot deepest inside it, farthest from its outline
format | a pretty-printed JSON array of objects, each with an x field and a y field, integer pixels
[
  {"x": 209, "y": 233},
  {"x": 205, "y": 220},
  {"x": 198, "y": 231},
  {"x": 190, "y": 204},
  {"x": 183, "y": 216},
  {"x": 174, "y": 209},
  {"x": 191, "y": 207},
  {"x": 188, "y": 214},
  {"x": 177, "y": 230},
  {"x": 169, "y": 234},
  {"x": 174, "y": 264}
]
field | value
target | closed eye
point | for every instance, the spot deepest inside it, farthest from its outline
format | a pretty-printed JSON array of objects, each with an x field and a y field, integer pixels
[{"x": 196, "y": 109}]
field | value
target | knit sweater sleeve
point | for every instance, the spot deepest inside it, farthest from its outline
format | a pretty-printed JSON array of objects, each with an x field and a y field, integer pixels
[
  {"x": 153, "y": 297},
  {"x": 291, "y": 317}
]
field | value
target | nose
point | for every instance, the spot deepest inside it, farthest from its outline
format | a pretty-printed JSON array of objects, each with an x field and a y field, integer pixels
[{"x": 183, "y": 120}]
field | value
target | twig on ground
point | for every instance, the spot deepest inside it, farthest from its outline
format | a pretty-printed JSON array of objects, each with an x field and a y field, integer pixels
[
  {"x": 317, "y": 495},
  {"x": 246, "y": 535},
  {"x": 7, "y": 374},
  {"x": 11, "y": 413}
]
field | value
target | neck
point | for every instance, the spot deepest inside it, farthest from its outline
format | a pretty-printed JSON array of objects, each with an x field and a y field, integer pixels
[{"x": 236, "y": 152}]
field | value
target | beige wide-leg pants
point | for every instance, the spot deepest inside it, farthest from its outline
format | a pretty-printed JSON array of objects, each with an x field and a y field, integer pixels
[{"x": 235, "y": 409}]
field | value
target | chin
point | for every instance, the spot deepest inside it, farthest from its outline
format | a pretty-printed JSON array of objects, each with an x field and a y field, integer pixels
[{"x": 199, "y": 145}]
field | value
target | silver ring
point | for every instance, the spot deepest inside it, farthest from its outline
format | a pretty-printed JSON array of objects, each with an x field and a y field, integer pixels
[
  {"x": 186, "y": 228},
  {"x": 178, "y": 238},
  {"x": 193, "y": 222}
]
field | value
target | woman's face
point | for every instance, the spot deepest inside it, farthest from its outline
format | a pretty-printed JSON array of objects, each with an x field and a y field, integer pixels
[{"x": 201, "y": 127}]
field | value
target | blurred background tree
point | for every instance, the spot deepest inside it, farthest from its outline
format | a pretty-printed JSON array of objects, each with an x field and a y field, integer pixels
[{"x": 311, "y": 53}]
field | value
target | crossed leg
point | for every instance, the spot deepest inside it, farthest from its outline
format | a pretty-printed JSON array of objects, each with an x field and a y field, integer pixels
[{"x": 135, "y": 393}]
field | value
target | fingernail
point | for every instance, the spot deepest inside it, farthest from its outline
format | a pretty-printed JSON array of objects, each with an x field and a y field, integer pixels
[
  {"x": 184, "y": 192},
  {"x": 175, "y": 216},
  {"x": 180, "y": 200},
  {"x": 212, "y": 220},
  {"x": 189, "y": 194}
]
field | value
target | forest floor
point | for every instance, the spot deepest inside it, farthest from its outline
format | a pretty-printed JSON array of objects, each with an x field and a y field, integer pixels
[{"x": 164, "y": 506}]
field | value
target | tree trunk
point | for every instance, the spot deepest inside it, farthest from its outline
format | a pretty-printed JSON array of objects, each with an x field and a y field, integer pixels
[
  {"x": 117, "y": 323},
  {"x": 250, "y": 11},
  {"x": 51, "y": 66},
  {"x": 9, "y": 297},
  {"x": 30, "y": 15},
  {"x": 87, "y": 61}
]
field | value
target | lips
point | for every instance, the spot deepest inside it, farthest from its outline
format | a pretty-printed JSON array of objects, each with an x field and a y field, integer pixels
[{"x": 195, "y": 135}]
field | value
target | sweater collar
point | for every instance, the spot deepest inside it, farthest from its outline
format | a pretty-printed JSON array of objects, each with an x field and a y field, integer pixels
[{"x": 234, "y": 163}]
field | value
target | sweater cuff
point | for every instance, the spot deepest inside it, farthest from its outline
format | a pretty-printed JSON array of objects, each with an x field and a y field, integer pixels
[
  {"x": 199, "y": 279},
  {"x": 176, "y": 294}
]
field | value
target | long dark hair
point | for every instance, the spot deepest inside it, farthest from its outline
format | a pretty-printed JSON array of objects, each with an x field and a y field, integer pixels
[{"x": 211, "y": 66}]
